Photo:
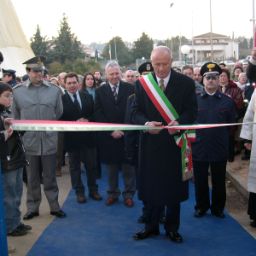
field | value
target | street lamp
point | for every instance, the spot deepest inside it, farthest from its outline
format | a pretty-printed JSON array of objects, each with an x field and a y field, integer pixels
[
  {"x": 211, "y": 30},
  {"x": 253, "y": 24},
  {"x": 171, "y": 46},
  {"x": 185, "y": 50}
]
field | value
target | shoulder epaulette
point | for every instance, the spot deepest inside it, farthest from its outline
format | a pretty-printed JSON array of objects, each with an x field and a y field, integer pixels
[{"x": 17, "y": 85}]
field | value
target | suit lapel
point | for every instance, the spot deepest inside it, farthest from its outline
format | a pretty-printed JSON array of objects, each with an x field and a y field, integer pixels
[
  {"x": 121, "y": 91},
  {"x": 83, "y": 101},
  {"x": 71, "y": 102}
]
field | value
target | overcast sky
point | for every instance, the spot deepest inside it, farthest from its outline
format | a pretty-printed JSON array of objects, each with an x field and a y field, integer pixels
[{"x": 101, "y": 20}]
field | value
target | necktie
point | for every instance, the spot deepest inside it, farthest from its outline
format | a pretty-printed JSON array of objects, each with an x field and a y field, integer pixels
[
  {"x": 76, "y": 101},
  {"x": 114, "y": 92},
  {"x": 161, "y": 84}
]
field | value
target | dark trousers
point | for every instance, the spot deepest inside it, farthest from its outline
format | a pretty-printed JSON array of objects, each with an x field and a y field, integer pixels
[
  {"x": 146, "y": 212},
  {"x": 202, "y": 193},
  {"x": 88, "y": 157},
  {"x": 60, "y": 151},
  {"x": 252, "y": 206},
  {"x": 128, "y": 173},
  {"x": 231, "y": 148},
  {"x": 172, "y": 222}
]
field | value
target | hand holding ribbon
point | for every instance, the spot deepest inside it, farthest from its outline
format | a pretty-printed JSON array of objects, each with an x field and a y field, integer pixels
[{"x": 154, "y": 124}]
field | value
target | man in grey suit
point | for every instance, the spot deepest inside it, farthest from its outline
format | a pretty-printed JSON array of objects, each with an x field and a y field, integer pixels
[
  {"x": 37, "y": 99},
  {"x": 110, "y": 106}
]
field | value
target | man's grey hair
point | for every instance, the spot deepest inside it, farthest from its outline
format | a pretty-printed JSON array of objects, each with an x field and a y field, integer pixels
[{"x": 112, "y": 64}]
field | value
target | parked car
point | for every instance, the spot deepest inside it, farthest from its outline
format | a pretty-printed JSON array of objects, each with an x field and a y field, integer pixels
[{"x": 229, "y": 63}]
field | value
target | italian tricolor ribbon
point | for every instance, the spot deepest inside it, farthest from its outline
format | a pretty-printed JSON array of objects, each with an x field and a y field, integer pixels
[
  {"x": 77, "y": 126},
  {"x": 168, "y": 112}
]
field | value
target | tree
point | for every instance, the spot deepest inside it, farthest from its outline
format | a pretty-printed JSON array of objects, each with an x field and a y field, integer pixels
[
  {"x": 243, "y": 43},
  {"x": 143, "y": 47},
  {"x": 66, "y": 46},
  {"x": 39, "y": 44},
  {"x": 117, "y": 50},
  {"x": 79, "y": 66},
  {"x": 251, "y": 42}
]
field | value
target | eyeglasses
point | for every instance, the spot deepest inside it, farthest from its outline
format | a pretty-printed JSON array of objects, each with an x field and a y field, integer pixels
[{"x": 211, "y": 77}]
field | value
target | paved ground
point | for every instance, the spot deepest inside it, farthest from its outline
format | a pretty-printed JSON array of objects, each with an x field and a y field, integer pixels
[
  {"x": 237, "y": 195},
  {"x": 236, "y": 205},
  {"x": 24, "y": 243}
]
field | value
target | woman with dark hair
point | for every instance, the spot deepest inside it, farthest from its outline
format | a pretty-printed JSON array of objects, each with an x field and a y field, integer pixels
[
  {"x": 236, "y": 72},
  {"x": 89, "y": 84},
  {"x": 230, "y": 88}
]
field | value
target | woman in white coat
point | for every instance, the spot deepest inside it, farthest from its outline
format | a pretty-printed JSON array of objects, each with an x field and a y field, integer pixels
[{"x": 248, "y": 132}]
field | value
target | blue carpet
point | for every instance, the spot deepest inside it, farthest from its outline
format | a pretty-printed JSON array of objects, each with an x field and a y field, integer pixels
[{"x": 93, "y": 229}]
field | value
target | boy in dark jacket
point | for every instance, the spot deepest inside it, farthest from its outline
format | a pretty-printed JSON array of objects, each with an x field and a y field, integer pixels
[{"x": 12, "y": 162}]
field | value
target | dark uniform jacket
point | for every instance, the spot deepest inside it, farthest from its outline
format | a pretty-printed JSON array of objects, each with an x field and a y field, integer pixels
[
  {"x": 251, "y": 75},
  {"x": 159, "y": 175},
  {"x": 211, "y": 145},
  {"x": 107, "y": 110},
  {"x": 76, "y": 140},
  {"x": 251, "y": 71},
  {"x": 3, "y": 144}
]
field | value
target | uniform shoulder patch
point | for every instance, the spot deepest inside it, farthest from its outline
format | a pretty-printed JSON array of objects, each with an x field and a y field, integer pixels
[{"x": 17, "y": 86}]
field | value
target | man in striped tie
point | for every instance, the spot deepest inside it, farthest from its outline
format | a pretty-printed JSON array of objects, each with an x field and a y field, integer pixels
[{"x": 110, "y": 106}]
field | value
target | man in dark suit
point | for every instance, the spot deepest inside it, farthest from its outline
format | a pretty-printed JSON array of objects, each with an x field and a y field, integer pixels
[
  {"x": 110, "y": 105},
  {"x": 78, "y": 106},
  {"x": 160, "y": 181}
]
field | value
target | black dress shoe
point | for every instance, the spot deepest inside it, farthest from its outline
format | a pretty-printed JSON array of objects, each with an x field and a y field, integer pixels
[
  {"x": 199, "y": 213},
  {"x": 18, "y": 232},
  {"x": 143, "y": 219},
  {"x": 22, "y": 226},
  {"x": 218, "y": 214},
  {"x": 174, "y": 236},
  {"x": 253, "y": 223},
  {"x": 59, "y": 214},
  {"x": 30, "y": 215},
  {"x": 145, "y": 234}
]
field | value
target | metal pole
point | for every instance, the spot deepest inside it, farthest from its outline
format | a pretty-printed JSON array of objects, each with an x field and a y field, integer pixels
[
  {"x": 253, "y": 23},
  {"x": 192, "y": 42},
  {"x": 180, "y": 47},
  {"x": 171, "y": 46},
  {"x": 211, "y": 30},
  {"x": 110, "y": 51},
  {"x": 3, "y": 239},
  {"x": 115, "y": 48}
]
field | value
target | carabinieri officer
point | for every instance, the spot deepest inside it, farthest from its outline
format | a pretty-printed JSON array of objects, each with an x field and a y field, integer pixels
[{"x": 211, "y": 146}]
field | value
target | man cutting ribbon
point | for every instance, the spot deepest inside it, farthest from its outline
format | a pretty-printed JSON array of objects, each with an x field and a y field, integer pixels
[{"x": 160, "y": 181}]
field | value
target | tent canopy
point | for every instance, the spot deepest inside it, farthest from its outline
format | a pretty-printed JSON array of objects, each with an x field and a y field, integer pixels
[{"x": 13, "y": 43}]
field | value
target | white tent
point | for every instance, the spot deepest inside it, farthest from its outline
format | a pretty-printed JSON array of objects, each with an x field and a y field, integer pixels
[{"x": 13, "y": 43}]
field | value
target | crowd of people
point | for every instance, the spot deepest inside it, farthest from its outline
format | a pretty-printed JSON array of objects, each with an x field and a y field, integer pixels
[{"x": 151, "y": 163}]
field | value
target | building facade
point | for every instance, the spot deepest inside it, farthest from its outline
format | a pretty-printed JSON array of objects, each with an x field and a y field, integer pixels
[{"x": 211, "y": 46}]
